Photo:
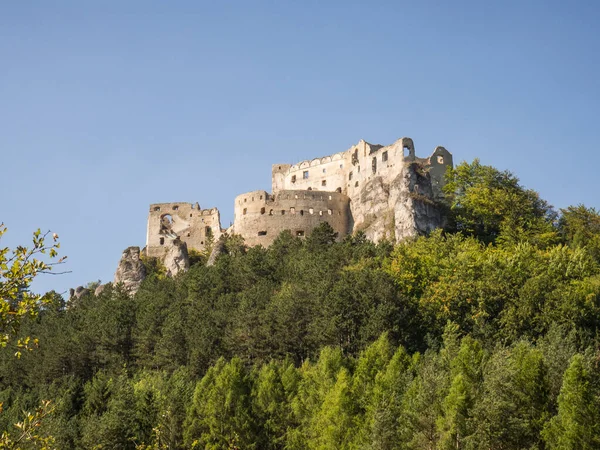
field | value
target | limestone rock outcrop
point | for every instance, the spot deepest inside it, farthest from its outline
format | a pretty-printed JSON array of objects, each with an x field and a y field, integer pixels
[
  {"x": 77, "y": 293},
  {"x": 176, "y": 259},
  {"x": 131, "y": 270},
  {"x": 100, "y": 289},
  {"x": 399, "y": 209},
  {"x": 218, "y": 249}
]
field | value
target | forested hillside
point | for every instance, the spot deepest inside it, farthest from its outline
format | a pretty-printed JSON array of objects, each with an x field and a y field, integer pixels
[{"x": 480, "y": 336}]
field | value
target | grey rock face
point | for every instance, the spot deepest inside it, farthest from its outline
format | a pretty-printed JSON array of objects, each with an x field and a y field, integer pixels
[
  {"x": 100, "y": 289},
  {"x": 400, "y": 209},
  {"x": 131, "y": 271},
  {"x": 176, "y": 259},
  {"x": 77, "y": 293},
  {"x": 217, "y": 249}
]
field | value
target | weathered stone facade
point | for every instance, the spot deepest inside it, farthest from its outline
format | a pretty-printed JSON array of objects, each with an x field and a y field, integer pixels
[
  {"x": 385, "y": 191},
  {"x": 187, "y": 221},
  {"x": 260, "y": 217}
]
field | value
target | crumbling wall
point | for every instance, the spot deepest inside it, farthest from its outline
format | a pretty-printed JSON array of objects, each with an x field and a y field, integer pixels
[
  {"x": 260, "y": 217},
  {"x": 385, "y": 191},
  {"x": 194, "y": 226}
]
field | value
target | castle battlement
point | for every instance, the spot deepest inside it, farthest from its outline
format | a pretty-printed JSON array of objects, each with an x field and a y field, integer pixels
[{"x": 386, "y": 191}]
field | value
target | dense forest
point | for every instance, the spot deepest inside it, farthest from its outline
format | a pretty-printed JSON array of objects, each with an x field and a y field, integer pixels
[{"x": 483, "y": 335}]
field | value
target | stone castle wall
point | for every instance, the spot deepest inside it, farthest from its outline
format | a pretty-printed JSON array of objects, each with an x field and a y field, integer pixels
[
  {"x": 385, "y": 191},
  {"x": 260, "y": 216},
  {"x": 187, "y": 221}
]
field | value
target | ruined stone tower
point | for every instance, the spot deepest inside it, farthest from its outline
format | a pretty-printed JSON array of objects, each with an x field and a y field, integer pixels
[{"x": 385, "y": 191}]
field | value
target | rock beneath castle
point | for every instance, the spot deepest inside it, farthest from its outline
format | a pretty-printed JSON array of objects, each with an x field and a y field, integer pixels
[
  {"x": 77, "y": 293},
  {"x": 176, "y": 259},
  {"x": 398, "y": 209},
  {"x": 130, "y": 271},
  {"x": 218, "y": 249},
  {"x": 100, "y": 289}
]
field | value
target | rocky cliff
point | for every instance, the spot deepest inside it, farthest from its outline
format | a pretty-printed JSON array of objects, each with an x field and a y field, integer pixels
[
  {"x": 396, "y": 210},
  {"x": 130, "y": 271}
]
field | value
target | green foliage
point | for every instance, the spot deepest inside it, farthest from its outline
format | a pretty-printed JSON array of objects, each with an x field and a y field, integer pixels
[
  {"x": 484, "y": 335},
  {"x": 18, "y": 269},
  {"x": 577, "y": 424},
  {"x": 488, "y": 204}
]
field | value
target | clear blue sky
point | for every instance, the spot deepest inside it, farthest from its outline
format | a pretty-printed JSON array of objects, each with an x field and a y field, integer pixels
[{"x": 106, "y": 107}]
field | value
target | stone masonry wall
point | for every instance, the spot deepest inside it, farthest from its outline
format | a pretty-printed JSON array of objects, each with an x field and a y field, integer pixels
[
  {"x": 260, "y": 217},
  {"x": 385, "y": 191},
  {"x": 193, "y": 225}
]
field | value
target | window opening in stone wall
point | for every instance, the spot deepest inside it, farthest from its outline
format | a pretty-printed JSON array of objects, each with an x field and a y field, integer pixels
[
  {"x": 406, "y": 151},
  {"x": 175, "y": 208},
  {"x": 300, "y": 233},
  {"x": 324, "y": 183},
  {"x": 201, "y": 242},
  {"x": 293, "y": 178},
  {"x": 166, "y": 224},
  {"x": 330, "y": 197},
  {"x": 320, "y": 213},
  {"x": 162, "y": 241},
  {"x": 292, "y": 210},
  {"x": 324, "y": 170},
  {"x": 355, "y": 157},
  {"x": 245, "y": 211},
  {"x": 350, "y": 176},
  {"x": 440, "y": 159},
  {"x": 208, "y": 231},
  {"x": 190, "y": 214},
  {"x": 157, "y": 208},
  {"x": 329, "y": 212},
  {"x": 283, "y": 212},
  {"x": 189, "y": 234},
  {"x": 374, "y": 165},
  {"x": 339, "y": 190},
  {"x": 301, "y": 212},
  {"x": 305, "y": 174},
  {"x": 356, "y": 184},
  {"x": 358, "y": 169},
  {"x": 262, "y": 210},
  {"x": 262, "y": 233},
  {"x": 310, "y": 189},
  {"x": 384, "y": 156},
  {"x": 341, "y": 166},
  {"x": 245, "y": 200},
  {"x": 252, "y": 198},
  {"x": 311, "y": 211},
  {"x": 271, "y": 212}
]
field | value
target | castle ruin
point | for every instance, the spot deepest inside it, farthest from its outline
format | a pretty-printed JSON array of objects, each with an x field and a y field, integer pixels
[{"x": 385, "y": 191}]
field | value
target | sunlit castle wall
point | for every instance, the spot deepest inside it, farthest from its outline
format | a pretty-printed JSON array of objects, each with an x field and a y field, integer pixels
[
  {"x": 260, "y": 217},
  {"x": 186, "y": 221}
]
